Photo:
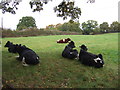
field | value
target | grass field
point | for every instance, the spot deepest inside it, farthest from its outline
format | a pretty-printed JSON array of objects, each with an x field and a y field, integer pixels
[{"x": 54, "y": 71}]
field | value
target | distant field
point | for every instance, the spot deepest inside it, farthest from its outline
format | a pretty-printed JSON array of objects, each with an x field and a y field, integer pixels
[{"x": 54, "y": 71}]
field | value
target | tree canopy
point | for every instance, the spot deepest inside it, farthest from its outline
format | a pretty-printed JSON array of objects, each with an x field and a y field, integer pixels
[
  {"x": 104, "y": 27},
  {"x": 115, "y": 26},
  {"x": 26, "y": 22},
  {"x": 89, "y": 26},
  {"x": 68, "y": 26},
  {"x": 65, "y": 9}
]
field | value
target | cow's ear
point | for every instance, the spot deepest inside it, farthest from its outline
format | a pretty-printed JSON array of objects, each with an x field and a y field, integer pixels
[
  {"x": 100, "y": 56},
  {"x": 69, "y": 39},
  {"x": 19, "y": 45},
  {"x": 8, "y": 41}
]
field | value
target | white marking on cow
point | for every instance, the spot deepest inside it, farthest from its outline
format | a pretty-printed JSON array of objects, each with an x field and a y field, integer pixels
[
  {"x": 16, "y": 56},
  {"x": 100, "y": 61},
  {"x": 71, "y": 52},
  {"x": 37, "y": 58},
  {"x": 63, "y": 40},
  {"x": 77, "y": 58},
  {"x": 23, "y": 62},
  {"x": 69, "y": 41},
  {"x": 96, "y": 59}
]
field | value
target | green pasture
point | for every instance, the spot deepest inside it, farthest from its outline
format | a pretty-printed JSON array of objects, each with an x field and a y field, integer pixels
[{"x": 54, "y": 71}]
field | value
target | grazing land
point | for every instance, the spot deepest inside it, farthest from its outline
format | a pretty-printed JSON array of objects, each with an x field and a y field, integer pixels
[{"x": 54, "y": 71}]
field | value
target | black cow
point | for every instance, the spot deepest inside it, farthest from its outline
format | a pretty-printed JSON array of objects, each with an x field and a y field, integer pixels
[
  {"x": 26, "y": 55},
  {"x": 69, "y": 52},
  {"x": 90, "y": 59}
]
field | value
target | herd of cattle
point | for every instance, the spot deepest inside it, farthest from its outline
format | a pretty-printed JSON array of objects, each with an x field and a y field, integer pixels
[{"x": 28, "y": 57}]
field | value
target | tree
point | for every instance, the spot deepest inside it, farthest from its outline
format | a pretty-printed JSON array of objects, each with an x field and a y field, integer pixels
[
  {"x": 26, "y": 22},
  {"x": 104, "y": 27},
  {"x": 115, "y": 26},
  {"x": 73, "y": 27},
  {"x": 89, "y": 26},
  {"x": 65, "y": 9}
]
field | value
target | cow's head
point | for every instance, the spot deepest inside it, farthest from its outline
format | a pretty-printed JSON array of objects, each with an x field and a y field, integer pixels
[
  {"x": 99, "y": 61},
  {"x": 84, "y": 47},
  {"x": 8, "y": 44},
  {"x": 68, "y": 39},
  {"x": 12, "y": 48},
  {"x": 71, "y": 44}
]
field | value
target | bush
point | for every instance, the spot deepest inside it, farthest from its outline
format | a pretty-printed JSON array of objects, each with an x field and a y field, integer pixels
[
  {"x": 35, "y": 32},
  {"x": 72, "y": 27}
]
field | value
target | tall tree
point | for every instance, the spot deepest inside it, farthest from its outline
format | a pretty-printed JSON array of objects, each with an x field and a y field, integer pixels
[
  {"x": 89, "y": 26},
  {"x": 104, "y": 27},
  {"x": 115, "y": 26},
  {"x": 26, "y": 22}
]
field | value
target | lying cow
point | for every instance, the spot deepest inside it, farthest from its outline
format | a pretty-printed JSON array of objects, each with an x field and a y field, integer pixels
[
  {"x": 10, "y": 46},
  {"x": 69, "y": 52},
  {"x": 64, "y": 40},
  {"x": 90, "y": 59},
  {"x": 26, "y": 55}
]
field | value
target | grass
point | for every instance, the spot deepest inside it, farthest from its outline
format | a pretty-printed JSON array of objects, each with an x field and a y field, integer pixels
[{"x": 54, "y": 71}]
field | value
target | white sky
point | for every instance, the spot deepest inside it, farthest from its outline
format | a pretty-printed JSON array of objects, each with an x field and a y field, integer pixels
[{"x": 101, "y": 11}]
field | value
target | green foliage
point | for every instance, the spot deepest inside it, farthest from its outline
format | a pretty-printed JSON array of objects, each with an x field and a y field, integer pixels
[
  {"x": 26, "y": 22},
  {"x": 38, "y": 4},
  {"x": 115, "y": 26},
  {"x": 9, "y": 6},
  {"x": 89, "y": 26},
  {"x": 54, "y": 71},
  {"x": 97, "y": 30},
  {"x": 35, "y": 32},
  {"x": 67, "y": 9},
  {"x": 73, "y": 27},
  {"x": 104, "y": 27}
]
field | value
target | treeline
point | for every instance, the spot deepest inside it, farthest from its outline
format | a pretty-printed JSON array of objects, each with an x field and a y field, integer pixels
[
  {"x": 87, "y": 28},
  {"x": 33, "y": 32}
]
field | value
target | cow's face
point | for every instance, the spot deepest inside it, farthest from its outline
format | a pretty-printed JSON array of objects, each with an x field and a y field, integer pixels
[
  {"x": 84, "y": 47},
  {"x": 68, "y": 39},
  {"x": 12, "y": 49},
  {"x": 99, "y": 61},
  {"x": 7, "y": 44},
  {"x": 71, "y": 44}
]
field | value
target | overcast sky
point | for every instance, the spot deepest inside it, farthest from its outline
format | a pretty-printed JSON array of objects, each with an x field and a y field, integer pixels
[{"x": 101, "y": 11}]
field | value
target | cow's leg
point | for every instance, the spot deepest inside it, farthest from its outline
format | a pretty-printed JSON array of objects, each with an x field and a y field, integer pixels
[
  {"x": 19, "y": 58},
  {"x": 23, "y": 62}
]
